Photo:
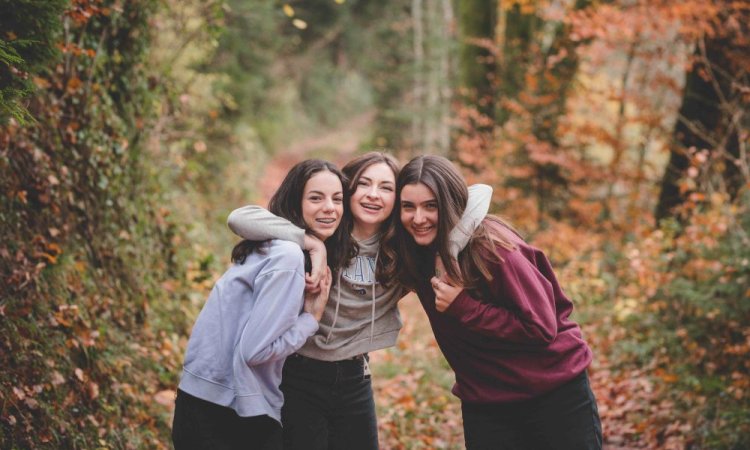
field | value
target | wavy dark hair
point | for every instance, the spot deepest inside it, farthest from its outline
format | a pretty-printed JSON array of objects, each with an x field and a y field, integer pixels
[
  {"x": 416, "y": 264},
  {"x": 287, "y": 203},
  {"x": 353, "y": 171}
]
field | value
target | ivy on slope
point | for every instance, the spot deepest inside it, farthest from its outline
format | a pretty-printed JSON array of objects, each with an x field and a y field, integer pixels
[{"x": 88, "y": 336}]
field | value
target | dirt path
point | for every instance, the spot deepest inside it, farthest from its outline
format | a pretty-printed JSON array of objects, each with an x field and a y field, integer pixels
[{"x": 336, "y": 145}]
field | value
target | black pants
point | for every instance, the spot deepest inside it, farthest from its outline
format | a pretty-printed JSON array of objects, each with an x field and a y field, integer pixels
[
  {"x": 566, "y": 418},
  {"x": 328, "y": 405},
  {"x": 202, "y": 425}
]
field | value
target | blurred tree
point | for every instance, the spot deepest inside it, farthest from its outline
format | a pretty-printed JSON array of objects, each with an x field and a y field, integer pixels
[
  {"x": 477, "y": 64},
  {"x": 316, "y": 65},
  {"x": 713, "y": 121},
  {"x": 433, "y": 78},
  {"x": 523, "y": 63}
]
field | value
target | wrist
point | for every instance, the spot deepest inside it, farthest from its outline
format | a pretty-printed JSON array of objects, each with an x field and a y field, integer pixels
[{"x": 312, "y": 243}]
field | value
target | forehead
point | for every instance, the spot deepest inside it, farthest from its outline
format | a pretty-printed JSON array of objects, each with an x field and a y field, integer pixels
[
  {"x": 323, "y": 181},
  {"x": 417, "y": 193},
  {"x": 379, "y": 171}
]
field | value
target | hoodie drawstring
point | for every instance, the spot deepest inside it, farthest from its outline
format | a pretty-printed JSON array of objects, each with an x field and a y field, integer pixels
[
  {"x": 374, "y": 282},
  {"x": 338, "y": 302}
]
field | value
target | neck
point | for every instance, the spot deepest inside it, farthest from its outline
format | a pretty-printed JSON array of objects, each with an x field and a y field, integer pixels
[{"x": 362, "y": 231}]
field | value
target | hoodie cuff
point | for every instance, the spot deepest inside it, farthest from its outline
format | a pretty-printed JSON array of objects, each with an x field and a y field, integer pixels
[{"x": 307, "y": 324}]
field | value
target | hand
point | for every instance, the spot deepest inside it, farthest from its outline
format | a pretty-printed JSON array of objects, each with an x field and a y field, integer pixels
[
  {"x": 318, "y": 259},
  {"x": 446, "y": 289},
  {"x": 315, "y": 303}
]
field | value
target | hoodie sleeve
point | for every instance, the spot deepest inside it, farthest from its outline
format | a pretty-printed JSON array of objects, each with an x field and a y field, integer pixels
[
  {"x": 258, "y": 224},
  {"x": 476, "y": 209},
  {"x": 276, "y": 328},
  {"x": 530, "y": 317}
]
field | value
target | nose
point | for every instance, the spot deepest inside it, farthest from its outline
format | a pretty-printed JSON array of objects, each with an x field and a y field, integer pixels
[
  {"x": 418, "y": 216},
  {"x": 372, "y": 191},
  {"x": 328, "y": 205}
]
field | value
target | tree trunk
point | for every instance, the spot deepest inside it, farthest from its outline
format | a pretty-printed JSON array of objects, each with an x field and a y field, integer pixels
[
  {"x": 476, "y": 63},
  {"x": 706, "y": 122}
]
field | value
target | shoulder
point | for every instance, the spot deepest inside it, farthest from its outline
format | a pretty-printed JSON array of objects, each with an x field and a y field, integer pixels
[
  {"x": 502, "y": 235},
  {"x": 284, "y": 255}
]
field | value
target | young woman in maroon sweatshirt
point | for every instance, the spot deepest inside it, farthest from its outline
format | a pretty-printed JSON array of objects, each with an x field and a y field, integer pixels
[{"x": 499, "y": 317}]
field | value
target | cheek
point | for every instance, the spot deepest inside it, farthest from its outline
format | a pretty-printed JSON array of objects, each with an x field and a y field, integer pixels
[
  {"x": 405, "y": 218},
  {"x": 388, "y": 202},
  {"x": 307, "y": 210}
]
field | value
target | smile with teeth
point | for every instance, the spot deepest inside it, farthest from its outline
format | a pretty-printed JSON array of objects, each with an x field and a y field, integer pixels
[
  {"x": 422, "y": 230},
  {"x": 326, "y": 221},
  {"x": 371, "y": 207}
]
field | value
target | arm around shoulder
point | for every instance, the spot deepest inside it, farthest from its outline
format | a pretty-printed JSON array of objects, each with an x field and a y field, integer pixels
[
  {"x": 258, "y": 224},
  {"x": 477, "y": 207}
]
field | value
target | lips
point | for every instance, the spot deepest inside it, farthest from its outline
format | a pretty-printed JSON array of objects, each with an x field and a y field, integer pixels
[
  {"x": 421, "y": 231},
  {"x": 326, "y": 221},
  {"x": 371, "y": 207}
]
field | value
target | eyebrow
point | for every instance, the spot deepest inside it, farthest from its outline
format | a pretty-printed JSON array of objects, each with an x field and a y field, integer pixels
[
  {"x": 370, "y": 180},
  {"x": 434, "y": 200},
  {"x": 323, "y": 193}
]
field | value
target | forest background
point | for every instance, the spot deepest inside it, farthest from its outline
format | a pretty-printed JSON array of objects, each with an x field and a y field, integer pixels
[{"x": 614, "y": 133}]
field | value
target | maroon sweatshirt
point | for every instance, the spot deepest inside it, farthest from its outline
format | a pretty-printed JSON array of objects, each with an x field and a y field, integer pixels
[{"x": 519, "y": 343}]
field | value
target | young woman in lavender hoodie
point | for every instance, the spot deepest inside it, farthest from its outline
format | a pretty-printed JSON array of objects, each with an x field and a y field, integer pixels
[
  {"x": 256, "y": 315},
  {"x": 500, "y": 318},
  {"x": 326, "y": 384}
]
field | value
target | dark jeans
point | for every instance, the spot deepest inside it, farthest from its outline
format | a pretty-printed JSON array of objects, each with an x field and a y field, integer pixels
[
  {"x": 202, "y": 425},
  {"x": 566, "y": 418},
  {"x": 328, "y": 405}
]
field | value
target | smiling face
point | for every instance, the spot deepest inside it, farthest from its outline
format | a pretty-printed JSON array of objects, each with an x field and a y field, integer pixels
[
  {"x": 373, "y": 199},
  {"x": 323, "y": 204},
  {"x": 419, "y": 213}
]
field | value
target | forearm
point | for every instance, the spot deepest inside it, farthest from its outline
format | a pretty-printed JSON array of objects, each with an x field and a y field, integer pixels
[
  {"x": 289, "y": 342},
  {"x": 500, "y": 323},
  {"x": 258, "y": 224},
  {"x": 477, "y": 207}
]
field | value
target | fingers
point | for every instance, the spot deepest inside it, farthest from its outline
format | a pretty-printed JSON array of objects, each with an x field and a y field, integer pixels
[
  {"x": 327, "y": 278},
  {"x": 437, "y": 284},
  {"x": 311, "y": 282},
  {"x": 445, "y": 293}
]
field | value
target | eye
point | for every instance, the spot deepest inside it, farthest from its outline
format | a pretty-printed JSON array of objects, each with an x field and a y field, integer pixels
[
  {"x": 314, "y": 198},
  {"x": 407, "y": 206},
  {"x": 431, "y": 206},
  {"x": 387, "y": 188},
  {"x": 338, "y": 200}
]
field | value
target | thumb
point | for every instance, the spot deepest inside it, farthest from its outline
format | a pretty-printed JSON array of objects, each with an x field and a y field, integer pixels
[{"x": 439, "y": 267}]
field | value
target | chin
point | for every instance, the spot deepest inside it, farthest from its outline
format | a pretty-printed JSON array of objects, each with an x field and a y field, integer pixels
[
  {"x": 424, "y": 241},
  {"x": 323, "y": 235}
]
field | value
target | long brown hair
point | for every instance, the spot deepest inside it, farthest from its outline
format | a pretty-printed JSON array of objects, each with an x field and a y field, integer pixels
[
  {"x": 287, "y": 203},
  {"x": 416, "y": 263},
  {"x": 353, "y": 171}
]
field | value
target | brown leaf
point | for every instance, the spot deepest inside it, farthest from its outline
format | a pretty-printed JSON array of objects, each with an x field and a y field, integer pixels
[
  {"x": 93, "y": 390},
  {"x": 73, "y": 84},
  {"x": 57, "y": 378},
  {"x": 165, "y": 397}
]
